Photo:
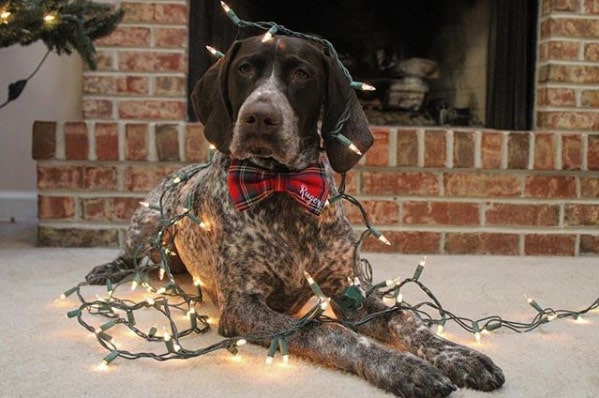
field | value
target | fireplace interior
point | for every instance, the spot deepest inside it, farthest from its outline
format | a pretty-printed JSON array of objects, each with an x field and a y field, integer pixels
[{"x": 433, "y": 62}]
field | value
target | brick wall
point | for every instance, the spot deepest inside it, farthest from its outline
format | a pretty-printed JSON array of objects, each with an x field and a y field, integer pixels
[{"x": 428, "y": 190}]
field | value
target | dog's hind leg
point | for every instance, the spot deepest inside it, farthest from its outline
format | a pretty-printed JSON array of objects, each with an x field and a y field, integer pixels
[
  {"x": 337, "y": 346},
  {"x": 466, "y": 367}
]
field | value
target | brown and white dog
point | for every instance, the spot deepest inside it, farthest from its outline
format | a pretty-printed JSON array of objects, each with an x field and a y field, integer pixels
[{"x": 261, "y": 104}]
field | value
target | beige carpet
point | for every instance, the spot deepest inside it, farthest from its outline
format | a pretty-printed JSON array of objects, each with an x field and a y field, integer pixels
[{"x": 43, "y": 354}]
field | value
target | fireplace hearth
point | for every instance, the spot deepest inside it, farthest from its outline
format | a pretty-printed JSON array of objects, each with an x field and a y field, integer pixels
[{"x": 458, "y": 63}]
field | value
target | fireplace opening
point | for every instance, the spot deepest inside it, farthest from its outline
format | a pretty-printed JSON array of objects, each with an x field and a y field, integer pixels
[{"x": 433, "y": 62}]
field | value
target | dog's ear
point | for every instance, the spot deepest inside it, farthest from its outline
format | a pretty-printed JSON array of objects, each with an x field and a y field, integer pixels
[
  {"x": 211, "y": 102},
  {"x": 339, "y": 96}
]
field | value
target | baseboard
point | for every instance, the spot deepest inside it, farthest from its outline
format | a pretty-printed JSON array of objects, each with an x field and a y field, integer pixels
[{"x": 18, "y": 205}]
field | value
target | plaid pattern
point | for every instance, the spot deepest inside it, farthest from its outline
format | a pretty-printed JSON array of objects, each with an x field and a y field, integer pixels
[{"x": 249, "y": 184}]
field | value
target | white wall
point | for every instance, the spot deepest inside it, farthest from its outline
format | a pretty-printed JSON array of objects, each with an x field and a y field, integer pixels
[{"x": 54, "y": 93}]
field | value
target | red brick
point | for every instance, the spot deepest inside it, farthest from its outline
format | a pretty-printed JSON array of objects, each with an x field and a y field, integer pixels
[
  {"x": 405, "y": 242},
  {"x": 152, "y": 109},
  {"x": 170, "y": 37},
  {"x": 393, "y": 183},
  {"x": 560, "y": 6},
  {"x": 593, "y": 153},
  {"x": 521, "y": 214},
  {"x": 136, "y": 141},
  {"x": 568, "y": 120},
  {"x": 123, "y": 208},
  {"x": 590, "y": 98},
  {"x": 196, "y": 145},
  {"x": 435, "y": 148},
  {"x": 126, "y": 36},
  {"x": 167, "y": 142},
  {"x": 491, "y": 150},
  {"x": 570, "y": 27},
  {"x": 589, "y": 187},
  {"x": 96, "y": 209},
  {"x": 170, "y": 86},
  {"x": 571, "y": 152},
  {"x": 444, "y": 213},
  {"x": 569, "y": 74},
  {"x": 556, "y": 97},
  {"x": 591, "y": 6},
  {"x": 541, "y": 186},
  {"x": 151, "y": 61},
  {"x": 377, "y": 211},
  {"x": 155, "y": 12},
  {"x": 101, "y": 178},
  {"x": 144, "y": 178},
  {"x": 407, "y": 147},
  {"x": 107, "y": 141},
  {"x": 479, "y": 185},
  {"x": 517, "y": 150},
  {"x": 59, "y": 177},
  {"x": 589, "y": 244},
  {"x": 549, "y": 245},
  {"x": 579, "y": 214},
  {"x": 559, "y": 50},
  {"x": 544, "y": 152},
  {"x": 44, "y": 140},
  {"x": 76, "y": 141},
  {"x": 463, "y": 149},
  {"x": 97, "y": 109},
  {"x": 482, "y": 243},
  {"x": 378, "y": 154},
  {"x": 97, "y": 84},
  {"x": 591, "y": 52},
  {"x": 104, "y": 61},
  {"x": 350, "y": 181},
  {"x": 133, "y": 85},
  {"x": 56, "y": 207},
  {"x": 78, "y": 237}
]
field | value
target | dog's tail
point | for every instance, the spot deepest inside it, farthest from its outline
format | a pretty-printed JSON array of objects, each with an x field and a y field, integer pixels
[{"x": 115, "y": 271}]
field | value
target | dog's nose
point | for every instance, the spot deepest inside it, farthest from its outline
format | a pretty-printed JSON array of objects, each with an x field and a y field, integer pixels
[{"x": 261, "y": 117}]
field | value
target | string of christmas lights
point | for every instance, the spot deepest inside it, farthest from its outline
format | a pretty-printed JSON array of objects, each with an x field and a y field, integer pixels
[{"x": 166, "y": 297}]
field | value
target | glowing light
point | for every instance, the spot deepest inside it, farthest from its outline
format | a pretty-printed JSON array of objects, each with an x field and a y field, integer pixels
[
  {"x": 230, "y": 13},
  {"x": 362, "y": 86},
  {"x": 533, "y": 303},
  {"x": 150, "y": 301},
  {"x": 389, "y": 299},
  {"x": 440, "y": 329},
  {"x": 4, "y": 16},
  {"x": 241, "y": 342},
  {"x": 216, "y": 53},
  {"x": 269, "y": 35},
  {"x": 176, "y": 180},
  {"x": 50, "y": 18},
  {"x": 419, "y": 269}
]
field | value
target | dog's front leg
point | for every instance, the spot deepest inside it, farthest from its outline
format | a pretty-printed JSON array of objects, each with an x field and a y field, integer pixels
[
  {"x": 463, "y": 365},
  {"x": 334, "y": 345}
]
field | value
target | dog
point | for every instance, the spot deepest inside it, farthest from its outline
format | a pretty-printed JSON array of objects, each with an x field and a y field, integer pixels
[{"x": 260, "y": 106}]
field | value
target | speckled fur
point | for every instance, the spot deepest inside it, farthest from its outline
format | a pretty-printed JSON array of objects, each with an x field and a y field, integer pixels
[{"x": 252, "y": 265}]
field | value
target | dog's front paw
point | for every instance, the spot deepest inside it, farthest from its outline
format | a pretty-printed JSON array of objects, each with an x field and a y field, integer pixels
[
  {"x": 408, "y": 376},
  {"x": 469, "y": 368}
]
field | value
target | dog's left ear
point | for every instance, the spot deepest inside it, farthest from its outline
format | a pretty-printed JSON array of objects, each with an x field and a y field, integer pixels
[
  {"x": 340, "y": 95},
  {"x": 211, "y": 103}
]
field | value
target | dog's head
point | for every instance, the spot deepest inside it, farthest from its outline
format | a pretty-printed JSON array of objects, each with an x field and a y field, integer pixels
[{"x": 262, "y": 102}]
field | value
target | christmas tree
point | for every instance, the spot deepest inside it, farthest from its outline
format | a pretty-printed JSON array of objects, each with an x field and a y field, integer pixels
[{"x": 64, "y": 26}]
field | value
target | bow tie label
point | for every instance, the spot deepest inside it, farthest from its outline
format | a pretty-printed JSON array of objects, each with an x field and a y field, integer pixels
[
  {"x": 249, "y": 185},
  {"x": 308, "y": 197}
]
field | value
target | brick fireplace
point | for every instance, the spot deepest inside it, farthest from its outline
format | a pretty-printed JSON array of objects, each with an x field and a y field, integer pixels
[{"x": 429, "y": 189}]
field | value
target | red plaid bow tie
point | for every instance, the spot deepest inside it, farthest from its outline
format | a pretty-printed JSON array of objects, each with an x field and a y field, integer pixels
[{"x": 249, "y": 184}]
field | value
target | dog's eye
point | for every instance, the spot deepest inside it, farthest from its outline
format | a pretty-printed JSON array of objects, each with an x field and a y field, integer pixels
[
  {"x": 301, "y": 74},
  {"x": 246, "y": 69}
]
